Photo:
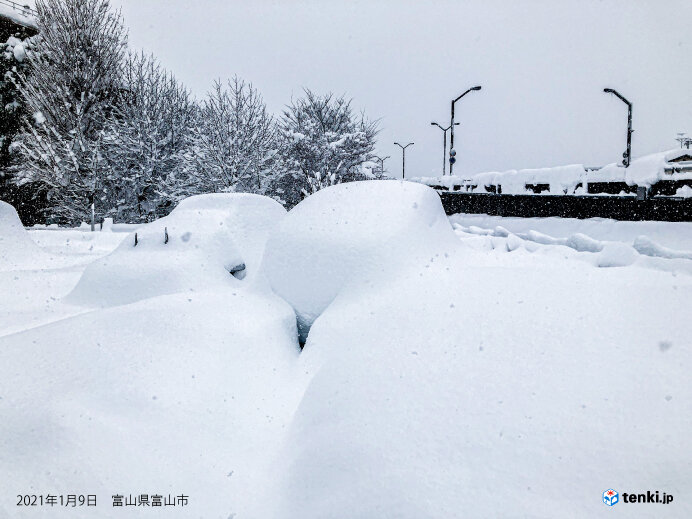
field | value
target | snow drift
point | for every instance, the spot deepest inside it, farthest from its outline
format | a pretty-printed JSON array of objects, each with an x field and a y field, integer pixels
[
  {"x": 199, "y": 245},
  {"x": 440, "y": 378},
  {"x": 445, "y": 383},
  {"x": 351, "y": 233},
  {"x": 17, "y": 249}
]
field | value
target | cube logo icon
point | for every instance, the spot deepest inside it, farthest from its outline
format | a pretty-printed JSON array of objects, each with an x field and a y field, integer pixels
[{"x": 610, "y": 497}]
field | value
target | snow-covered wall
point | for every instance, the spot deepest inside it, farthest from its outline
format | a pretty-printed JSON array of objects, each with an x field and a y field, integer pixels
[{"x": 643, "y": 171}]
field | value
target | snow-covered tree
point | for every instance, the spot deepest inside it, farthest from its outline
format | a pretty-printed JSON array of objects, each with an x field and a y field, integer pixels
[
  {"x": 12, "y": 107},
  {"x": 323, "y": 142},
  {"x": 75, "y": 81},
  {"x": 146, "y": 139},
  {"x": 233, "y": 142},
  {"x": 28, "y": 198}
]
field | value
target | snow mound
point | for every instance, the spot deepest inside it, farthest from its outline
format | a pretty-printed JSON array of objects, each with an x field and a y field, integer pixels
[
  {"x": 207, "y": 241},
  {"x": 16, "y": 247},
  {"x": 172, "y": 375},
  {"x": 684, "y": 192},
  {"x": 438, "y": 389},
  {"x": 435, "y": 386},
  {"x": 347, "y": 233},
  {"x": 579, "y": 242},
  {"x": 583, "y": 243},
  {"x": 645, "y": 245},
  {"x": 616, "y": 254}
]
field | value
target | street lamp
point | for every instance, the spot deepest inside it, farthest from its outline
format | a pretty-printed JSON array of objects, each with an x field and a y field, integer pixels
[
  {"x": 381, "y": 159},
  {"x": 444, "y": 152},
  {"x": 403, "y": 158},
  {"x": 684, "y": 141},
  {"x": 451, "y": 143},
  {"x": 628, "y": 153}
]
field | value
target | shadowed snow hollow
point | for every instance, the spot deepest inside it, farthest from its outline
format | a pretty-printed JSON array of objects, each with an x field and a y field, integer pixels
[
  {"x": 348, "y": 232},
  {"x": 199, "y": 245}
]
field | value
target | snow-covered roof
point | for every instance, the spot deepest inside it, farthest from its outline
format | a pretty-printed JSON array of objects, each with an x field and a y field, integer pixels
[
  {"x": 21, "y": 13},
  {"x": 643, "y": 171}
]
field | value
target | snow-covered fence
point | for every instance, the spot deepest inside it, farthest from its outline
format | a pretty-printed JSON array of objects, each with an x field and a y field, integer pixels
[
  {"x": 653, "y": 187},
  {"x": 21, "y": 14},
  {"x": 662, "y": 173},
  {"x": 23, "y": 9},
  {"x": 585, "y": 206}
]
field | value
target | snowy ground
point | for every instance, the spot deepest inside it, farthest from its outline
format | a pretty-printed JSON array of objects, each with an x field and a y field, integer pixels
[{"x": 502, "y": 367}]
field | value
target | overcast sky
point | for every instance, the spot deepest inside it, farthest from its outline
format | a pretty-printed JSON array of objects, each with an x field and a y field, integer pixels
[{"x": 542, "y": 64}]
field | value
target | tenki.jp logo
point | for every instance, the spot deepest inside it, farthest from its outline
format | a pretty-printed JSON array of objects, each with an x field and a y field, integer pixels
[{"x": 612, "y": 497}]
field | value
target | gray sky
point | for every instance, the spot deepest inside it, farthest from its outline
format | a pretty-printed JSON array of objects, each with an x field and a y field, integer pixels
[{"x": 543, "y": 65}]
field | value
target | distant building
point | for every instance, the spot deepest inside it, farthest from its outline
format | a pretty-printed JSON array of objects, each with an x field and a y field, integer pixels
[{"x": 680, "y": 164}]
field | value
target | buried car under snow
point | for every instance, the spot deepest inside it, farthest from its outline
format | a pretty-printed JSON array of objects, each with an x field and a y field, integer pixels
[{"x": 206, "y": 241}]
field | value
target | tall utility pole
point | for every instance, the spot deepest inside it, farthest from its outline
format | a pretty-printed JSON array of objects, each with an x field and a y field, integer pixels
[
  {"x": 403, "y": 158},
  {"x": 381, "y": 159},
  {"x": 444, "y": 146},
  {"x": 627, "y": 156},
  {"x": 452, "y": 159}
]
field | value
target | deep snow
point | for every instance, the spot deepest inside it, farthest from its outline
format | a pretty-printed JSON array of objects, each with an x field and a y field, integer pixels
[
  {"x": 466, "y": 367},
  {"x": 195, "y": 247},
  {"x": 351, "y": 232}
]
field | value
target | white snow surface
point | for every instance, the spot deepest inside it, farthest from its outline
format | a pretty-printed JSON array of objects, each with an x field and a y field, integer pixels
[
  {"x": 643, "y": 171},
  {"x": 494, "y": 367},
  {"x": 17, "y": 250},
  {"x": 561, "y": 179},
  {"x": 208, "y": 235},
  {"x": 350, "y": 233},
  {"x": 684, "y": 192}
]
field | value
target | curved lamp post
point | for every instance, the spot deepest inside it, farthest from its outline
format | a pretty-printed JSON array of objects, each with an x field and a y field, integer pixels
[
  {"x": 451, "y": 143},
  {"x": 627, "y": 156}
]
